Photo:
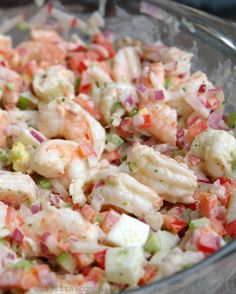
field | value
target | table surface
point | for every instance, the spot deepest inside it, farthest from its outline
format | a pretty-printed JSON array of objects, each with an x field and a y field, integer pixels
[{"x": 229, "y": 287}]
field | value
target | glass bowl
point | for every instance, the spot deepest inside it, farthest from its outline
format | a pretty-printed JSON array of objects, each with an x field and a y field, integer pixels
[{"x": 213, "y": 42}]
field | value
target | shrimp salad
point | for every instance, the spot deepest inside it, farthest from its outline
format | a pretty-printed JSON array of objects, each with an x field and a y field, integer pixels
[{"x": 117, "y": 165}]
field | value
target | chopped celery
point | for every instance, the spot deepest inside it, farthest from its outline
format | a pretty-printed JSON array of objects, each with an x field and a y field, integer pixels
[
  {"x": 24, "y": 264},
  {"x": 44, "y": 183},
  {"x": 67, "y": 262},
  {"x": 153, "y": 244},
  {"x": 168, "y": 83},
  {"x": 197, "y": 223},
  {"x": 114, "y": 139},
  {"x": 133, "y": 112}
]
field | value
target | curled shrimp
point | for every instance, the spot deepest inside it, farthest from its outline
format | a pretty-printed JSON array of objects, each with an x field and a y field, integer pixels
[
  {"x": 163, "y": 122},
  {"x": 3, "y": 126},
  {"x": 60, "y": 160},
  {"x": 54, "y": 82},
  {"x": 46, "y": 48},
  {"x": 126, "y": 65},
  {"x": 17, "y": 188},
  {"x": 131, "y": 196},
  {"x": 11, "y": 84},
  {"x": 73, "y": 123},
  {"x": 59, "y": 225}
]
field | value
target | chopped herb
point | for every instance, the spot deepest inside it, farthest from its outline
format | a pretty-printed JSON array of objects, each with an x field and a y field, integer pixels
[
  {"x": 184, "y": 89},
  {"x": 223, "y": 102},
  {"x": 3, "y": 156},
  {"x": 156, "y": 170},
  {"x": 117, "y": 105},
  {"x": 123, "y": 251},
  {"x": 10, "y": 86},
  {"x": 22, "y": 26},
  {"x": 125, "y": 203},
  {"x": 227, "y": 238},
  {"x": 114, "y": 139},
  {"x": 43, "y": 182},
  {"x": 133, "y": 112},
  {"x": 63, "y": 99},
  {"x": 68, "y": 205},
  {"x": 1, "y": 241},
  {"x": 168, "y": 83},
  {"x": 30, "y": 225},
  {"x": 23, "y": 103},
  {"x": 231, "y": 120},
  {"x": 77, "y": 84},
  {"x": 98, "y": 219},
  {"x": 97, "y": 84},
  {"x": 124, "y": 158},
  {"x": 132, "y": 166}
]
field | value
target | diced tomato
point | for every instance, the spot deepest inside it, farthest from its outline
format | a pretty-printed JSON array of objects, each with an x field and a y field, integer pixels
[
  {"x": 86, "y": 270},
  {"x": 84, "y": 83},
  {"x": 208, "y": 243},
  {"x": 212, "y": 103},
  {"x": 98, "y": 38},
  {"x": 84, "y": 150},
  {"x": 174, "y": 223},
  {"x": 149, "y": 272},
  {"x": 231, "y": 228},
  {"x": 100, "y": 258},
  {"x": 83, "y": 260},
  {"x": 88, "y": 212},
  {"x": 113, "y": 157},
  {"x": 228, "y": 185},
  {"x": 147, "y": 121},
  {"x": 218, "y": 227},
  {"x": 208, "y": 205},
  {"x": 108, "y": 46},
  {"x": 202, "y": 88},
  {"x": 110, "y": 220},
  {"x": 197, "y": 129},
  {"x": 192, "y": 206},
  {"x": 96, "y": 274},
  {"x": 30, "y": 68}
]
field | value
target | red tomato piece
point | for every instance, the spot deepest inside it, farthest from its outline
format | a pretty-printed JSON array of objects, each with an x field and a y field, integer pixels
[
  {"x": 110, "y": 220},
  {"x": 174, "y": 223},
  {"x": 100, "y": 258},
  {"x": 231, "y": 228},
  {"x": 197, "y": 129},
  {"x": 149, "y": 272},
  {"x": 88, "y": 212},
  {"x": 208, "y": 243},
  {"x": 208, "y": 205},
  {"x": 95, "y": 274}
]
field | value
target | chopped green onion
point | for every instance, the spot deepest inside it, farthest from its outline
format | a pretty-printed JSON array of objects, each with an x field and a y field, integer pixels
[
  {"x": 67, "y": 262},
  {"x": 200, "y": 222},
  {"x": 168, "y": 83},
  {"x": 227, "y": 238},
  {"x": 10, "y": 86},
  {"x": 77, "y": 84},
  {"x": 23, "y": 103},
  {"x": 98, "y": 219},
  {"x": 133, "y": 166},
  {"x": 114, "y": 139},
  {"x": 117, "y": 105},
  {"x": 45, "y": 183},
  {"x": 153, "y": 244},
  {"x": 231, "y": 120},
  {"x": 133, "y": 112},
  {"x": 22, "y": 26}
]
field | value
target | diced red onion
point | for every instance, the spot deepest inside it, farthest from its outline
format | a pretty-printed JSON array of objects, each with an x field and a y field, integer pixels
[
  {"x": 37, "y": 136},
  {"x": 206, "y": 181},
  {"x": 159, "y": 95},
  {"x": 97, "y": 202},
  {"x": 35, "y": 208},
  {"x": 10, "y": 255},
  {"x": 17, "y": 236},
  {"x": 45, "y": 236},
  {"x": 141, "y": 88},
  {"x": 129, "y": 99},
  {"x": 44, "y": 248},
  {"x": 99, "y": 184},
  {"x": 192, "y": 118},
  {"x": 214, "y": 120}
]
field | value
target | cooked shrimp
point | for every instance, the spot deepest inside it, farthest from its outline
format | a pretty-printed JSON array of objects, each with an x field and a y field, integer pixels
[
  {"x": 122, "y": 95},
  {"x": 163, "y": 122},
  {"x": 174, "y": 181},
  {"x": 53, "y": 82},
  {"x": 44, "y": 52},
  {"x": 125, "y": 192},
  {"x": 59, "y": 159},
  {"x": 17, "y": 188},
  {"x": 73, "y": 123},
  {"x": 177, "y": 62},
  {"x": 59, "y": 225},
  {"x": 127, "y": 66},
  {"x": 10, "y": 83},
  {"x": 216, "y": 150}
]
